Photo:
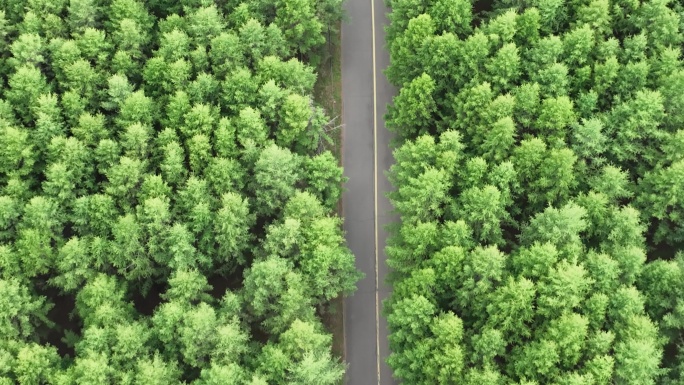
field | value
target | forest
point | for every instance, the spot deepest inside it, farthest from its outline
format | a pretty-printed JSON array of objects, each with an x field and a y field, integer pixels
[
  {"x": 167, "y": 196},
  {"x": 539, "y": 177}
]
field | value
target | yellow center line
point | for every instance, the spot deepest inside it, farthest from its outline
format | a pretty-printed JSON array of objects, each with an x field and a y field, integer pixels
[{"x": 375, "y": 196}]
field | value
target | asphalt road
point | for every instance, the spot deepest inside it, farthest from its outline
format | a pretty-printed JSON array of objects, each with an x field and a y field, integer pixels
[{"x": 366, "y": 157}]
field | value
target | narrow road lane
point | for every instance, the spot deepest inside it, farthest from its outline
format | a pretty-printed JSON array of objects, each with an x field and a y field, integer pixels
[{"x": 366, "y": 157}]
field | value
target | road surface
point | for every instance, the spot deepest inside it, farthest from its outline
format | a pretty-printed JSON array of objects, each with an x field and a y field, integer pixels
[{"x": 365, "y": 157}]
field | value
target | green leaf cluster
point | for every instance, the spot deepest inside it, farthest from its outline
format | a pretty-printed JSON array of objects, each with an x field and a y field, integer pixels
[
  {"x": 167, "y": 208},
  {"x": 537, "y": 156}
]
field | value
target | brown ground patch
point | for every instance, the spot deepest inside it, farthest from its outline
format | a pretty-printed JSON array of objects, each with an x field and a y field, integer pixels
[
  {"x": 328, "y": 93},
  {"x": 328, "y": 87}
]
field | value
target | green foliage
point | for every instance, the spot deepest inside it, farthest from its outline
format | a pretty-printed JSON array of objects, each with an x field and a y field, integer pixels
[
  {"x": 411, "y": 113},
  {"x": 167, "y": 215},
  {"x": 538, "y": 168},
  {"x": 275, "y": 173}
]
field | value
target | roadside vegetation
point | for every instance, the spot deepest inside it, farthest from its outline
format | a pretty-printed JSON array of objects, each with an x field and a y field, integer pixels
[
  {"x": 539, "y": 178},
  {"x": 167, "y": 197},
  {"x": 328, "y": 92}
]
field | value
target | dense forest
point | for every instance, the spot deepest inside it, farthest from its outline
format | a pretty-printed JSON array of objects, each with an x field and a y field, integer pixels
[
  {"x": 167, "y": 203},
  {"x": 539, "y": 177}
]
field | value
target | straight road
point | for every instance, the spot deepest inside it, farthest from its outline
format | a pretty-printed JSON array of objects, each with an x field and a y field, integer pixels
[{"x": 365, "y": 157}]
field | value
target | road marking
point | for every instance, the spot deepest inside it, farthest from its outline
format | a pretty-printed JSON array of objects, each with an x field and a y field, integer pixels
[{"x": 375, "y": 196}]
